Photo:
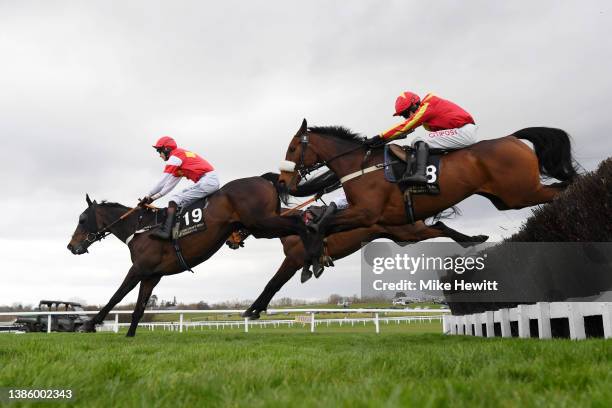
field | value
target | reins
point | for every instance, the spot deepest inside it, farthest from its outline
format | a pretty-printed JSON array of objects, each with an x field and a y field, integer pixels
[{"x": 104, "y": 232}]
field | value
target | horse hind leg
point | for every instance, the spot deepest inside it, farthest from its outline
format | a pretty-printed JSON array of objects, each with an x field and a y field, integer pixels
[
  {"x": 542, "y": 195},
  {"x": 146, "y": 288}
]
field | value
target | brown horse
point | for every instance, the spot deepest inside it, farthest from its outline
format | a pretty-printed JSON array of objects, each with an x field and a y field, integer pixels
[
  {"x": 504, "y": 170},
  {"x": 345, "y": 243},
  {"x": 238, "y": 203}
]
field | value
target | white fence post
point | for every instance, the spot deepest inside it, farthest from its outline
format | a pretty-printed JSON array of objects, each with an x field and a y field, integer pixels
[
  {"x": 606, "y": 316},
  {"x": 312, "y": 322},
  {"x": 576, "y": 321},
  {"x": 505, "y": 323},
  {"x": 523, "y": 321},
  {"x": 181, "y": 323},
  {"x": 478, "y": 325},
  {"x": 116, "y": 328},
  {"x": 544, "y": 331},
  {"x": 246, "y": 324},
  {"x": 376, "y": 323},
  {"x": 490, "y": 325},
  {"x": 49, "y": 324}
]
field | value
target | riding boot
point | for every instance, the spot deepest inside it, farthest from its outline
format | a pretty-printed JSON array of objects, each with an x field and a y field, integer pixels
[
  {"x": 322, "y": 221},
  {"x": 165, "y": 231},
  {"x": 419, "y": 176}
]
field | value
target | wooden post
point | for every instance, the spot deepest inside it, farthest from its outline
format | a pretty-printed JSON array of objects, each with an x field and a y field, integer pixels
[
  {"x": 490, "y": 324},
  {"x": 505, "y": 323},
  {"x": 606, "y": 316},
  {"x": 523, "y": 321},
  {"x": 576, "y": 321},
  {"x": 377, "y": 323},
  {"x": 477, "y": 325},
  {"x": 312, "y": 322},
  {"x": 246, "y": 324},
  {"x": 49, "y": 324},
  {"x": 544, "y": 331},
  {"x": 116, "y": 328},
  {"x": 181, "y": 323}
]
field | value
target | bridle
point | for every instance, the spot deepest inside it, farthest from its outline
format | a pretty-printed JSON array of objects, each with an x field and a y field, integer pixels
[
  {"x": 304, "y": 170},
  {"x": 95, "y": 236}
]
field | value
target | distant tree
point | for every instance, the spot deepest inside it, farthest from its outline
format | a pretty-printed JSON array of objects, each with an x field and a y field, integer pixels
[
  {"x": 399, "y": 295},
  {"x": 334, "y": 298},
  {"x": 203, "y": 305}
]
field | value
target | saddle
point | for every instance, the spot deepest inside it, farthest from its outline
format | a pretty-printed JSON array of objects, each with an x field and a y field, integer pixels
[{"x": 398, "y": 158}]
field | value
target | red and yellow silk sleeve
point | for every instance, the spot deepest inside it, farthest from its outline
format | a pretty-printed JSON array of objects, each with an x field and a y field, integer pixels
[{"x": 408, "y": 125}]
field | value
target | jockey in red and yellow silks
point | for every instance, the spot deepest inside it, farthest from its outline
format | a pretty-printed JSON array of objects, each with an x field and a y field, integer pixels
[
  {"x": 434, "y": 113},
  {"x": 180, "y": 163},
  {"x": 449, "y": 127}
]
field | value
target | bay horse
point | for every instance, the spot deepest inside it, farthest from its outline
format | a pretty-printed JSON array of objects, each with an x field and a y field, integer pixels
[
  {"x": 240, "y": 202},
  {"x": 342, "y": 244},
  {"x": 504, "y": 170}
]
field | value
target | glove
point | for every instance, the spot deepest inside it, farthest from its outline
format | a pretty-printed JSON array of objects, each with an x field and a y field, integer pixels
[
  {"x": 144, "y": 201},
  {"x": 376, "y": 140}
]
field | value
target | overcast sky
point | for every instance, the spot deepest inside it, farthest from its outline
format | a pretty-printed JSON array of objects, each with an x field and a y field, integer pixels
[{"x": 87, "y": 87}]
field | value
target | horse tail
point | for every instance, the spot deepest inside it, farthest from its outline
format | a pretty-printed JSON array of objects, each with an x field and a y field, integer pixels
[
  {"x": 554, "y": 151},
  {"x": 282, "y": 193}
]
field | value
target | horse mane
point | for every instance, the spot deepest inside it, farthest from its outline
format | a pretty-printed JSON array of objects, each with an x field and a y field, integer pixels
[
  {"x": 111, "y": 204},
  {"x": 339, "y": 132}
]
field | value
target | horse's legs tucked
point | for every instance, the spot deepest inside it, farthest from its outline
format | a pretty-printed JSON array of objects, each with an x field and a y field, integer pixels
[
  {"x": 146, "y": 288},
  {"x": 130, "y": 281},
  {"x": 287, "y": 269}
]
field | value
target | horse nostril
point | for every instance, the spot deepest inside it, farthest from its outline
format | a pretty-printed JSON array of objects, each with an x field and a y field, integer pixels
[{"x": 70, "y": 247}]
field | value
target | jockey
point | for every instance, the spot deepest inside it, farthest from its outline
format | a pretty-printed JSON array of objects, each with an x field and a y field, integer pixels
[
  {"x": 179, "y": 163},
  {"x": 449, "y": 127}
]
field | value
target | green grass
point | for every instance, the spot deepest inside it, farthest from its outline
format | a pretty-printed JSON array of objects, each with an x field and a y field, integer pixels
[{"x": 405, "y": 365}]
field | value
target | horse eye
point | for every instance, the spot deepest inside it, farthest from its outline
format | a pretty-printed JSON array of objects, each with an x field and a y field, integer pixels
[{"x": 82, "y": 219}]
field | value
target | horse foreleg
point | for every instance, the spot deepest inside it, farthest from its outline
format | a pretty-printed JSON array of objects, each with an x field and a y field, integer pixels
[
  {"x": 446, "y": 231},
  {"x": 287, "y": 269},
  {"x": 146, "y": 288},
  {"x": 130, "y": 281}
]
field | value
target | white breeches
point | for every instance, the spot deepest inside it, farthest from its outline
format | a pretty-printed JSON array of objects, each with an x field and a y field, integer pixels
[
  {"x": 208, "y": 184},
  {"x": 450, "y": 138}
]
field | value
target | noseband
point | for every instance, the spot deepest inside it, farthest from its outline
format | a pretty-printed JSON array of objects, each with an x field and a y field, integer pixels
[{"x": 304, "y": 170}]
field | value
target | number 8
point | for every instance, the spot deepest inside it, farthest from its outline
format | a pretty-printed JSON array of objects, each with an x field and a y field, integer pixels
[{"x": 431, "y": 174}]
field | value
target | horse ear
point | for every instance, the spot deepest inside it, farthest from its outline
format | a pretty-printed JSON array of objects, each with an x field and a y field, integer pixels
[
  {"x": 303, "y": 128},
  {"x": 88, "y": 200}
]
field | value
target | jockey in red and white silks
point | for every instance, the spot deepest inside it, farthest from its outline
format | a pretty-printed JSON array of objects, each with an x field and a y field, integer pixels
[{"x": 180, "y": 163}]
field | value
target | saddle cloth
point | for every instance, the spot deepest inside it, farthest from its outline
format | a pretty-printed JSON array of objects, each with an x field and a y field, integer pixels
[
  {"x": 397, "y": 158},
  {"x": 191, "y": 219}
]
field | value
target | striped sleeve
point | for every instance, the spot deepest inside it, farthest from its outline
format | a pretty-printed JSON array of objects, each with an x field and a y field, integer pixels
[{"x": 408, "y": 125}]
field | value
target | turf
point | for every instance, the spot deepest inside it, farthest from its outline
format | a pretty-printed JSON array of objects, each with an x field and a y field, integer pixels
[{"x": 348, "y": 367}]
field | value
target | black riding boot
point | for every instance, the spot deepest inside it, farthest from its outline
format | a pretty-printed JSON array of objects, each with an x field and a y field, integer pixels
[
  {"x": 316, "y": 224},
  {"x": 419, "y": 176},
  {"x": 165, "y": 231}
]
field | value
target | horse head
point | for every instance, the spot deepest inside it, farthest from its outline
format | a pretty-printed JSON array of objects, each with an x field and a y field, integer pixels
[
  {"x": 300, "y": 157},
  {"x": 85, "y": 233}
]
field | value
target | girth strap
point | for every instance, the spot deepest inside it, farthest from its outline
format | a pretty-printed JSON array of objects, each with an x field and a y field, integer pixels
[
  {"x": 179, "y": 255},
  {"x": 362, "y": 172}
]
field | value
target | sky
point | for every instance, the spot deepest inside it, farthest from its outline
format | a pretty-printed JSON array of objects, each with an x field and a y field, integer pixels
[{"x": 87, "y": 87}]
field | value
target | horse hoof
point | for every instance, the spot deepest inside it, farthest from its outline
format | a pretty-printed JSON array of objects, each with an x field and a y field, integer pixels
[
  {"x": 86, "y": 327},
  {"x": 251, "y": 314},
  {"x": 306, "y": 274},
  {"x": 318, "y": 270}
]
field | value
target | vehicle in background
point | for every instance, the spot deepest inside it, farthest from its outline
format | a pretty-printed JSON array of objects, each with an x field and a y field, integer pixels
[{"x": 61, "y": 323}]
